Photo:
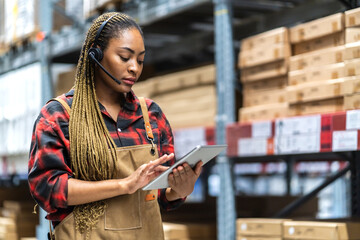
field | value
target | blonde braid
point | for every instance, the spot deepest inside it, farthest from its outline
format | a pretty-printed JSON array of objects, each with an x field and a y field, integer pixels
[{"x": 92, "y": 149}]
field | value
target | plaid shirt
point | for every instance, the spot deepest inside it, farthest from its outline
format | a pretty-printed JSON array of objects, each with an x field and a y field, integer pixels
[{"x": 49, "y": 153}]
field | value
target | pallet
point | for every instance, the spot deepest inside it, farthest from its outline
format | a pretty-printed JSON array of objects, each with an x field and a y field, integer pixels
[{"x": 24, "y": 40}]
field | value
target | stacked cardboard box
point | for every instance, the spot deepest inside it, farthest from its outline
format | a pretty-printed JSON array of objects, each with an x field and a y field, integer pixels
[
  {"x": 324, "y": 68},
  {"x": 321, "y": 230},
  {"x": 189, "y": 231},
  {"x": 263, "y": 63},
  {"x": 21, "y": 213},
  {"x": 7, "y": 229},
  {"x": 259, "y": 229},
  {"x": 188, "y": 98}
]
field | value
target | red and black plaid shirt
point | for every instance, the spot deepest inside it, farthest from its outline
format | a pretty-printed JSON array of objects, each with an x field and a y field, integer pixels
[{"x": 50, "y": 157}]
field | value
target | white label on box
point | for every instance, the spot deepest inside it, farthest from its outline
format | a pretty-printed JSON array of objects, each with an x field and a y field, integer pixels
[
  {"x": 252, "y": 146},
  {"x": 261, "y": 129},
  {"x": 303, "y": 143},
  {"x": 353, "y": 119},
  {"x": 345, "y": 140},
  {"x": 298, "y": 125}
]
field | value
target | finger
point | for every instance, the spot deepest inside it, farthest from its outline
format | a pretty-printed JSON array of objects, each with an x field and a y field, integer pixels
[
  {"x": 187, "y": 168},
  {"x": 160, "y": 168},
  {"x": 176, "y": 175},
  {"x": 171, "y": 180},
  {"x": 198, "y": 168},
  {"x": 163, "y": 159},
  {"x": 182, "y": 173}
]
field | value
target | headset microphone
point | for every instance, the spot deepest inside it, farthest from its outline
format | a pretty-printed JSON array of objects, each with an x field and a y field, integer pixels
[{"x": 92, "y": 56}]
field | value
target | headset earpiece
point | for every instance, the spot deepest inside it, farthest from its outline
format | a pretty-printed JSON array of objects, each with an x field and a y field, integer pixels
[{"x": 95, "y": 52}]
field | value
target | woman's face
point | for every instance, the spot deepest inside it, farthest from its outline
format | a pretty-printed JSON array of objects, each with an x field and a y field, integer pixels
[{"x": 123, "y": 58}]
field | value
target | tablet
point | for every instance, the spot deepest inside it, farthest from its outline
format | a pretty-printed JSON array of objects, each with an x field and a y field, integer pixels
[{"x": 203, "y": 153}]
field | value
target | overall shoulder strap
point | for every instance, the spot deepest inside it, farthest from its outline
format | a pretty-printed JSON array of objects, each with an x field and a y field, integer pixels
[
  {"x": 145, "y": 113},
  {"x": 63, "y": 103}
]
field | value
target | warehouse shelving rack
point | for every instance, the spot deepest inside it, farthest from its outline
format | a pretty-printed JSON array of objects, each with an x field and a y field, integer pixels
[{"x": 189, "y": 44}]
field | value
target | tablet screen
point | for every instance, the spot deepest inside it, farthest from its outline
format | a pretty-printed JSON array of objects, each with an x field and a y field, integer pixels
[{"x": 199, "y": 153}]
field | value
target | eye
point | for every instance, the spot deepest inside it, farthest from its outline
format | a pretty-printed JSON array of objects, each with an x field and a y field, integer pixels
[
  {"x": 124, "y": 59},
  {"x": 140, "y": 62}
]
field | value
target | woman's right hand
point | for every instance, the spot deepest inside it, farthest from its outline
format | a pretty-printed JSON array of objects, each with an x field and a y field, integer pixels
[{"x": 147, "y": 172}]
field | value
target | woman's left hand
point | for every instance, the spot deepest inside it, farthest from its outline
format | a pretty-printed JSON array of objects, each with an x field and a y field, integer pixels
[{"x": 182, "y": 181}]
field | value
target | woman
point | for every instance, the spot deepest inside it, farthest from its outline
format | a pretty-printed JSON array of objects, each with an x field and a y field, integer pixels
[{"x": 95, "y": 147}]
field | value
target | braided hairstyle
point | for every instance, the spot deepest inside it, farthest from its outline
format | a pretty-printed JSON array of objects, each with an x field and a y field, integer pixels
[{"x": 92, "y": 150}]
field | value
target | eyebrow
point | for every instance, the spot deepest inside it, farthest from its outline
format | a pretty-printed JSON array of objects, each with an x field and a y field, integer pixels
[{"x": 132, "y": 51}]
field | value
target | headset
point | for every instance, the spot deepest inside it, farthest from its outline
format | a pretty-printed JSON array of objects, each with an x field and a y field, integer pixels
[{"x": 96, "y": 54}]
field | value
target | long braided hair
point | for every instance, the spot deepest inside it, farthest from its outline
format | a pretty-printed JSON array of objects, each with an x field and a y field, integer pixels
[{"x": 92, "y": 150}]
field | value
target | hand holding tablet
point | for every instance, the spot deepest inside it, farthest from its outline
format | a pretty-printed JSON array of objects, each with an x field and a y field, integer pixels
[{"x": 199, "y": 153}]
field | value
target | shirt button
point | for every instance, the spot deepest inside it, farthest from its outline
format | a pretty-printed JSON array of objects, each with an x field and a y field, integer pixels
[{"x": 119, "y": 130}]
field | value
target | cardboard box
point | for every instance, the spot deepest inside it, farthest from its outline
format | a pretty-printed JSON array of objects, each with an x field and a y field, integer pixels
[
  {"x": 264, "y": 97},
  {"x": 275, "y": 36},
  {"x": 184, "y": 79},
  {"x": 352, "y": 101},
  {"x": 264, "y": 71},
  {"x": 317, "y": 58},
  {"x": 265, "y": 85},
  {"x": 263, "y": 112},
  {"x": 352, "y": 35},
  {"x": 265, "y": 54},
  {"x": 258, "y": 227},
  {"x": 189, "y": 231},
  {"x": 320, "y": 73},
  {"x": 321, "y": 230},
  {"x": 317, "y": 28},
  {"x": 317, "y": 107},
  {"x": 352, "y": 51},
  {"x": 352, "y": 67},
  {"x": 323, "y": 90},
  {"x": 352, "y": 17},
  {"x": 333, "y": 40}
]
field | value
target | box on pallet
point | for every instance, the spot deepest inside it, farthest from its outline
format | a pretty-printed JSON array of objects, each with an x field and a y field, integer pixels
[
  {"x": 352, "y": 17},
  {"x": 333, "y": 40},
  {"x": 317, "y": 28},
  {"x": 321, "y": 230},
  {"x": 352, "y": 51},
  {"x": 264, "y": 97},
  {"x": 263, "y": 112},
  {"x": 65, "y": 82},
  {"x": 322, "y": 106},
  {"x": 352, "y": 101},
  {"x": 259, "y": 227},
  {"x": 264, "y": 54},
  {"x": 275, "y": 36},
  {"x": 276, "y": 83},
  {"x": 323, "y": 90},
  {"x": 320, "y": 73},
  {"x": 317, "y": 58},
  {"x": 175, "y": 231},
  {"x": 352, "y": 35},
  {"x": 264, "y": 71}
]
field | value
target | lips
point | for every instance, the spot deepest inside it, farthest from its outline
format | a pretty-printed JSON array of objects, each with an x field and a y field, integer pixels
[{"x": 129, "y": 81}]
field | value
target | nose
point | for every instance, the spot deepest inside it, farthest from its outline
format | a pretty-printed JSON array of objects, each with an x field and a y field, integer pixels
[{"x": 133, "y": 67}]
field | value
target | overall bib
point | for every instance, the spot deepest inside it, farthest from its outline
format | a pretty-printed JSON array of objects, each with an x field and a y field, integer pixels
[{"x": 127, "y": 217}]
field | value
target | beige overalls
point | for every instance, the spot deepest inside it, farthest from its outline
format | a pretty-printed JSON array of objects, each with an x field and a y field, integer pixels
[{"x": 131, "y": 216}]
